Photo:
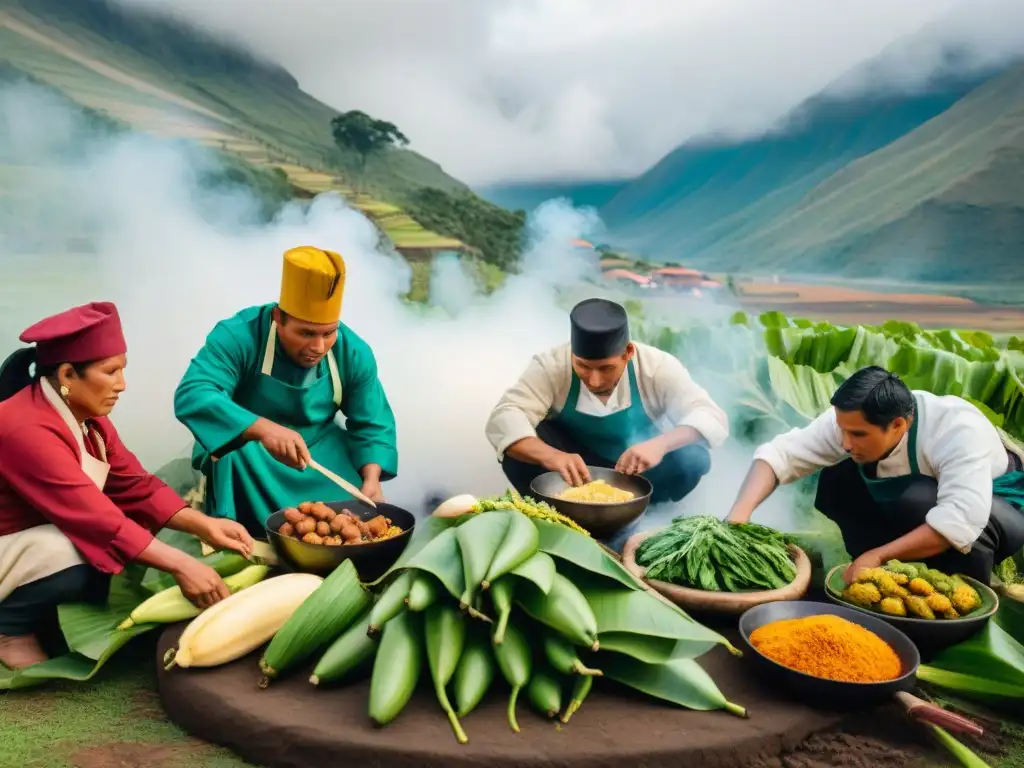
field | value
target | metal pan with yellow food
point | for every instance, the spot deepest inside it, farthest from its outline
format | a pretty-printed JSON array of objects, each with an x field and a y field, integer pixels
[
  {"x": 315, "y": 537},
  {"x": 604, "y": 506},
  {"x": 934, "y": 609}
]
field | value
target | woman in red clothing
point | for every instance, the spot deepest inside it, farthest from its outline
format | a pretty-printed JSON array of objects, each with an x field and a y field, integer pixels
[{"x": 75, "y": 505}]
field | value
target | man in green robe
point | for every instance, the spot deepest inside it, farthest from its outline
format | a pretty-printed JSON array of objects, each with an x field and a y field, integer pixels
[{"x": 262, "y": 396}]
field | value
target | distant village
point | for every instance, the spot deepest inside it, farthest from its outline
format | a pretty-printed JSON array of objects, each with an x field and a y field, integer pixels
[{"x": 635, "y": 274}]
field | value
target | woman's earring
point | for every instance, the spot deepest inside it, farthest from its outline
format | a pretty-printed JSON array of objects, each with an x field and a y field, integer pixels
[{"x": 64, "y": 391}]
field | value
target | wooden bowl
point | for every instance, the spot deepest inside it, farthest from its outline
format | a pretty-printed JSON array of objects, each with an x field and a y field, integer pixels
[{"x": 730, "y": 603}]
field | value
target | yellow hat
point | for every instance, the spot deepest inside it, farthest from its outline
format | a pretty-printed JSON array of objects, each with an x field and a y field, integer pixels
[{"x": 312, "y": 284}]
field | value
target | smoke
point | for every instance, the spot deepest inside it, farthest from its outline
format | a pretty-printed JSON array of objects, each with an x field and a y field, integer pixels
[{"x": 124, "y": 218}]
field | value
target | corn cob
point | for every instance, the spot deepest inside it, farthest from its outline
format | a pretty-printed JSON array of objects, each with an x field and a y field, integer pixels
[
  {"x": 565, "y": 610},
  {"x": 397, "y": 667},
  {"x": 518, "y": 545},
  {"x": 321, "y": 618},
  {"x": 243, "y": 622},
  {"x": 474, "y": 674},
  {"x": 516, "y": 663},
  {"x": 534, "y": 509},
  {"x": 171, "y": 605},
  {"x": 445, "y": 632},
  {"x": 391, "y": 601},
  {"x": 544, "y": 692},
  {"x": 561, "y": 655},
  {"x": 346, "y": 653}
]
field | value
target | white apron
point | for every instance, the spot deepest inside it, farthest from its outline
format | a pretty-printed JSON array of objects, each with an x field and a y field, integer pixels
[{"x": 42, "y": 551}]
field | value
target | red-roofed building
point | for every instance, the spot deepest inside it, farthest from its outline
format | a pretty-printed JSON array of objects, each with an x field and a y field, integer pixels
[
  {"x": 630, "y": 278},
  {"x": 681, "y": 277}
]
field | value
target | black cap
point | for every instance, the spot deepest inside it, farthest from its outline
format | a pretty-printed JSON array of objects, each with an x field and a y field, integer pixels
[{"x": 600, "y": 329}]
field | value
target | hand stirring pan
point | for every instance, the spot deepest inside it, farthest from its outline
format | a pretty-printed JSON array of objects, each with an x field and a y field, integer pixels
[{"x": 341, "y": 482}]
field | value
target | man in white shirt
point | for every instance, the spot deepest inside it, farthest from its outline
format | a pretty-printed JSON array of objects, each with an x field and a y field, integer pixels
[
  {"x": 905, "y": 475},
  {"x": 606, "y": 401}
]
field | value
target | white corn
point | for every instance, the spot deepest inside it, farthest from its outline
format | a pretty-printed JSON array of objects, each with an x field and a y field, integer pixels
[{"x": 243, "y": 622}]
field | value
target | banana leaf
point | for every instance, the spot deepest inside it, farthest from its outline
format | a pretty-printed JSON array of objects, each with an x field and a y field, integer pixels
[
  {"x": 680, "y": 681},
  {"x": 629, "y": 612},
  {"x": 441, "y": 558},
  {"x": 646, "y": 648},
  {"x": 804, "y": 389},
  {"x": 582, "y": 551},
  {"x": 1010, "y": 618},
  {"x": 988, "y": 667},
  {"x": 91, "y": 633},
  {"x": 90, "y": 630},
  {"x": 426, "y": 530},
  {"x": 539, "y": 568}
]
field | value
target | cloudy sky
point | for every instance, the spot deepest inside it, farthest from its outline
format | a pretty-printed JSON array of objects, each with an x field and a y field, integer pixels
[{"x": 502, "y": 90}]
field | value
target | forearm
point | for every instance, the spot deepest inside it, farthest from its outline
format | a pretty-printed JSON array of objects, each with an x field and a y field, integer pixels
[
  {"x": 920, "y": 544},
  {"x": 530, "y": 450},
  {"x": 370, "y": 473},
  {"x": 254, "y": 433},
  {"x": 190, "y": 520},
  {"x": 164, "y": 557},
  {"x": 758, "y": 485},
  {"x": 679, "y": 437}
]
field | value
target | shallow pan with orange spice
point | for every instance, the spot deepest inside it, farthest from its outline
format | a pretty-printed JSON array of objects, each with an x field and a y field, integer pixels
[
  {"x": 829, "y": 653},
  {"x": 316, "y": 537},
  {"x": 839, "y": 658}
]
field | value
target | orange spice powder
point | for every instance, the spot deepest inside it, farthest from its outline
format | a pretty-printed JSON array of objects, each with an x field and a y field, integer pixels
[{"x": 829, "y": 647}]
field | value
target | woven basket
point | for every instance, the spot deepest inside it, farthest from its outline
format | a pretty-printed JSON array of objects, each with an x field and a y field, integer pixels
[{"x": 732, "y": 603}]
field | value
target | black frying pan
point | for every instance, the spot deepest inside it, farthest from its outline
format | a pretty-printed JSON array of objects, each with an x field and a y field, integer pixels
[
  {"x": 835, "y": 694},
  {"x": 371, "y": 559}
]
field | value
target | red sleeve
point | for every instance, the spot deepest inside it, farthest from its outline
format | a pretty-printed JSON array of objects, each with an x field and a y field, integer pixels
[
  {"x": 144, "y": 497},
  {"x": 44, "y": 469}
]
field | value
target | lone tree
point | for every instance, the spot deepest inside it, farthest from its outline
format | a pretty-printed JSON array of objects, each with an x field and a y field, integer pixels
[{"x": 358, "y": 132}]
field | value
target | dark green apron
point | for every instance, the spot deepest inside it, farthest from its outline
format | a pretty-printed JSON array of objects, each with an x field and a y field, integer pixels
[
  {"x": 249, "y": 484},
  {"x": 612, "y": 435}
]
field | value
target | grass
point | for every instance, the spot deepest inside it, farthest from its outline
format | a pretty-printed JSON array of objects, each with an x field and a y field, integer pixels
[{"x": 70, "y": 726}]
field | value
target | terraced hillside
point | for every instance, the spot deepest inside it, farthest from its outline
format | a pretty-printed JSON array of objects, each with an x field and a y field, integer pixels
[
  {"x": 920, "y": 186},
  {"x": 170, "y": 81}
]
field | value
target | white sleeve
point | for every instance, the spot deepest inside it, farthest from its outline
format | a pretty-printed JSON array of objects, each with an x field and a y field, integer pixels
[
  {"x": 806, "y": 450},
  {"x": 523, "y": 406},
  {"x": 687, "y": 404},
  {"x": 961, "y": 458}
]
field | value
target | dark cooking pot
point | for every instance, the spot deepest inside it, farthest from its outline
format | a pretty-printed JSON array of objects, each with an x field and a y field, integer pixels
[
  {"x": 601, "y": 520},
  {"x": 371, "y": 559},
  {"x": 832, "y": 694}
]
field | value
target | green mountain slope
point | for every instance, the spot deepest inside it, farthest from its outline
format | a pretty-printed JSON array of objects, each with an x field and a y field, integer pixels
[
  {"x": 153, "y": 74},
  {"x": 944, "y": 202},
  {"x": 160, "y": 76},
  {"x": 707, "y": 194}
]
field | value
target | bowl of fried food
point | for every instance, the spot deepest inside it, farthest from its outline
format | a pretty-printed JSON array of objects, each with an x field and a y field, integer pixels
[
  {"x": 316, "y": 537},
  {"x": 604, "y": 506},
  {"x": 934, "y": 609}
]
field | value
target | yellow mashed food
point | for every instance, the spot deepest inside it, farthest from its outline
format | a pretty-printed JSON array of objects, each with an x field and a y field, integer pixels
[{"x": 596, "y": 492}]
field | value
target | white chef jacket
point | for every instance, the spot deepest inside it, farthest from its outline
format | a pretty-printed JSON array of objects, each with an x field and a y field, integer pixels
[
  {"x": 956, "y": 445},
  {"x": 669, "y": 395}
]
